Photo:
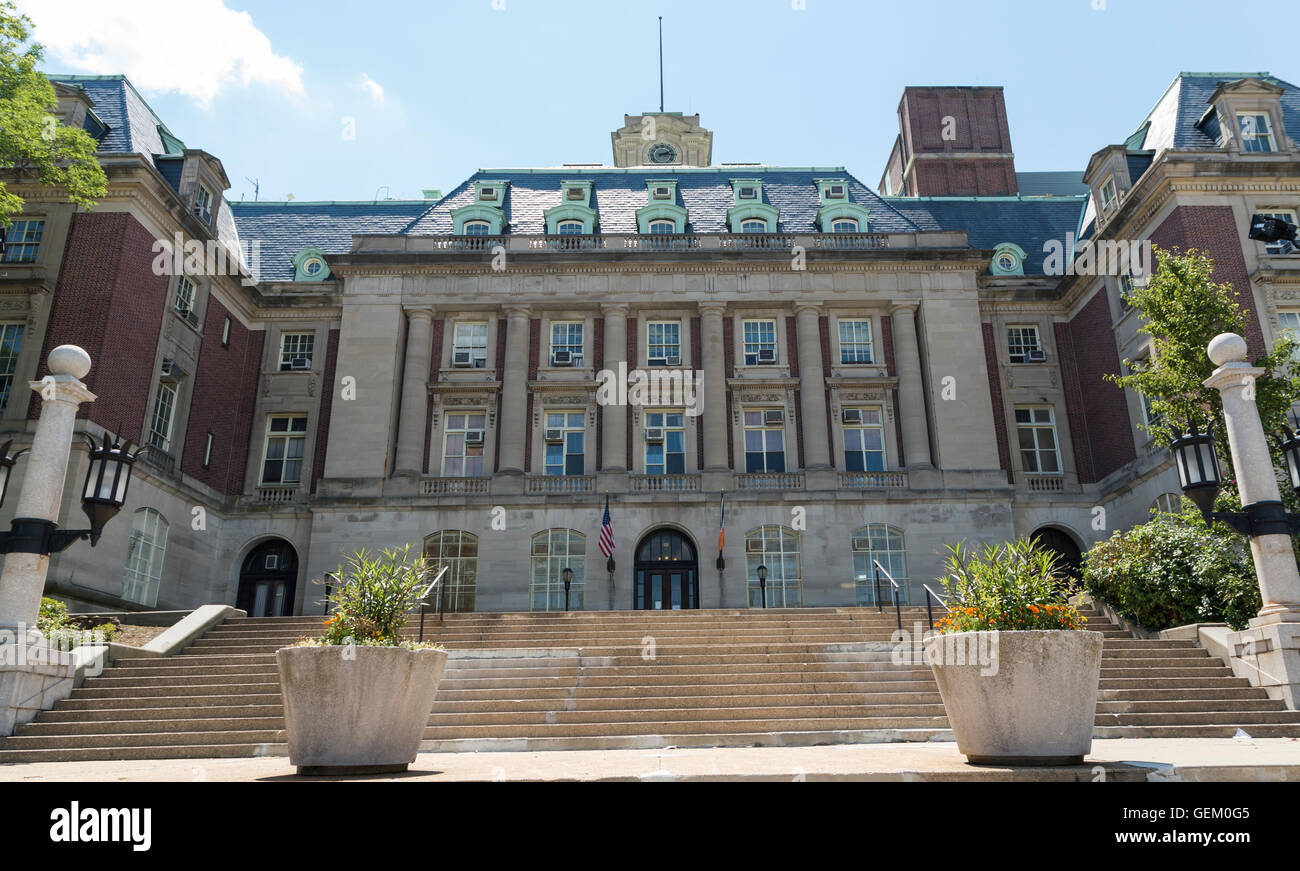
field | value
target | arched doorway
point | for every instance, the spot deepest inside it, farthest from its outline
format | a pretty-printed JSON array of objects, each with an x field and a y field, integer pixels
[
  {"x": 268, "y": 580},
  {"x": 667, "y": 574},
  {"x": 1068, "y": 557}
]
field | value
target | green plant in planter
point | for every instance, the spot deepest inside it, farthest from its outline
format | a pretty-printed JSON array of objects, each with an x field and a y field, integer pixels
[
  {"x": 63, "y": 633},
  {"x": 371, "y": 598},
  {"x": 1012, "y": 586}
]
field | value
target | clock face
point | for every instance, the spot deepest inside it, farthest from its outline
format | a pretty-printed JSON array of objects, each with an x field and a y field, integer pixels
[{"x": 662, "y": 152}]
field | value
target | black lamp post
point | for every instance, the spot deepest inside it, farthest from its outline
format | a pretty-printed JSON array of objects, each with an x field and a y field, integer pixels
[
  {"x": 1200, "y": 478},
  {"x": 567, "y": 574},
  {"x": 761, "y": 571},
  {"x": 7, "y": 461},
  {"x": 102, "y": 497}
]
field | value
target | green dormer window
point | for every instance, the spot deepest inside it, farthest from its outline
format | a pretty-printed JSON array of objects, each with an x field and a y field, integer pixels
[
  {"x": 309, "y": 265},
  {"x": 1008, "y": 259},
  {"x": 844, "y": 225},
  {"x": 746, "y": 190},
  {"x": 486, "y": 215},
  {"x": 574, "y": 216},
  {"x": 477, "y": 228},
  {"x": 661, "y": 214},
  {"x": 750, "y": 214},
  {"x": 838, "y": 213},
  {"x": 569, "y": 228},
  {"x": 832, "y": 190},
  {"x": 753, "y": 226}
]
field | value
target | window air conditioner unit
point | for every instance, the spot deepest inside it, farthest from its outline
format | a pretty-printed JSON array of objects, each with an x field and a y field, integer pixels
[
  {"x": 851, "y": 415},
  {"x": 487, "y": 194},
  {"x": 462, "y": 359},
  {"x": 673, "y": 361},
  {"x": 474, "y": 437},
  {"x": 862, "y": 544},
  {"x": 775, "y": 417},
  {"x": 753, "y": 545},
  {"x": 654, "y": 436},
  {"x": 300, "y": 363},
  {"x": 767, "y": 355},
  {"x": 835, "y": 192},
  {"x": 1036, "y": 355},
  {"x": 561, "y": 358},
  {"x": 171, "y": 371},
  {"x": 663, "y": 193},
  {"x": 575, "y": 194},
  {"x": 554, "y": 436}
]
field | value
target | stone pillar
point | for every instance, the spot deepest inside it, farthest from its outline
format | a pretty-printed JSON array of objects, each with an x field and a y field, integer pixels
[
  {"x": 411, "y": 433},
  {"x": 614, "y": 417},
  {"x": 1268, "y": 652},
  {"x": 513, "y": 419},
  {"x": 812, "y": 388},
  {"x": 911, "y": 389},
  {"x": 713, "y": 400}
]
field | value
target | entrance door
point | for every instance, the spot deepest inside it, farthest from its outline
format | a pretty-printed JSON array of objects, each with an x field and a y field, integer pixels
[
  {"x": 666, "y": 573},
  {"x": 268, "y": 580},
  {"x": 1069, "y": 560}
]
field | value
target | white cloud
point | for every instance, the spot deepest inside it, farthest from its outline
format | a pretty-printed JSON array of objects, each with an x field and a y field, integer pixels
[
  {"x": 196, "y": 47},
  {"x": 373, "y": 88}
]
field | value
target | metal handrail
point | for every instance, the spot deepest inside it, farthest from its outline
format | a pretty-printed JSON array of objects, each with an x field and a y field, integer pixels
[
  {"x": 436, "y": 582},
  {"x": 929, "y": 610},
  {"x": 898, "y": 608}
]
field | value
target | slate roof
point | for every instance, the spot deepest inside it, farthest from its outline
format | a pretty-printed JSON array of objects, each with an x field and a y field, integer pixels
[
  {"x": 705, "y": 192},
  {"x": 133, "y": 125},
  {"x": 988, "y": 221},
  {"x": 283, "y": 229},
  {"x": 1173, "y": 121},
  {"x": 1051, "y": 184}
]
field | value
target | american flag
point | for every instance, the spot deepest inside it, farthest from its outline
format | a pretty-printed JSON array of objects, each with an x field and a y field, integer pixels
[{"x": 607, "y": 533}]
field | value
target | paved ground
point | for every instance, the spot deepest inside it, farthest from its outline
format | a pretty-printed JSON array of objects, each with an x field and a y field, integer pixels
[{"x": 1116, "y": 759}]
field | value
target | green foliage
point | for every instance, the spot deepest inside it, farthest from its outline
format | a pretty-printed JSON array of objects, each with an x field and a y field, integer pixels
[
  {"x": 1174, "y": 570},
  {"x": 1011, "y": 586},
  {"x": 53, "y": 614},
  {"x": 373, "y": 595},
  {"x": 33, "y": 146},
  {"x": 61, "y": 630}
]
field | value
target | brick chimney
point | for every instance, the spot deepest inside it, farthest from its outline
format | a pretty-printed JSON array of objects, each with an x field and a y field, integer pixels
[{"x": 953, "y": 141}]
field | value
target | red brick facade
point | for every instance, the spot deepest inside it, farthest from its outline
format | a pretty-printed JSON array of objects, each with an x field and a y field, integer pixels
[
  {"x": 1109, "y": 433},
  {"x": 999, "y": 403},
  {"x": 328, "y": 390}
]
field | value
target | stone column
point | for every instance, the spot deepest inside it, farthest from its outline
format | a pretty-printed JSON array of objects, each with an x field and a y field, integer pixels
[
  {"x": 911, "y": 390},
  {"x": 713, "y": 399},
  {"x": 1268, "y": 652},
  {"x": 411, "y": 433},
  {"x": 513, "y": 420},
  {"x": 614, "y": 417},
  {"x": 812, "y": 388}
]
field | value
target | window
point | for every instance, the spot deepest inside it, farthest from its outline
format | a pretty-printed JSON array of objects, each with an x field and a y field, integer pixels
[
  {"x": 777, "y": 548},
  {"x": 458, "y": 551},
  {"x": 477, "y": 228},
  {"x": 313, "y": 266},
  {"x": 296, "y": 350},
  {"x": 864, "y": 439},
  {"x": 225, "y": 332},
  {"x": 844, "y": 225},
  {"x": 1020, "y": 341},
  {"x": 1036, "y": 431},
  {"x": 472, "y": 339},
  {"x": 285, "y": 436},
  {"x": 164, "y": 408},
  {"x": 1108, "y": 196},
  {"x": 569, "y": 228},
  {"x": 11, "y": 342},
  {"x": 1289, "y": 321},
  {"x": 566, "y": 337},
  {"x": 760, "y": 342},
  {"x": 764, "y": 442},
  {"x": 207, "y": 450},
  {"x": 1256, "y": 133},
  {"x": 22, "y": 239},
  {"x": 203, "y": 204},
  {"x": 184, "y": 295},
  {"x": 747, "y": 193},
  {"x": 1007, "y": 261},
  {"x": 144, "y": 557},
  {"x": 1149, "y": 417},
  {"x": 566, "y": 435},
  {"x": 662, "y": 227},
  {"x": 753, "y": 226},
  {"x": 855, "y": 341},
  {"x": 1126, "y": 286},
  {"x": 462, "y": 444},
  {"x": 1287, "y": 215},
  {"x": 665, "y": 443},
  {"x": 878, "y": 542},
  {"x": 553, "y": 551},
  {"x": 1167, "y": 503},
  {"x": 664, "y": 343}
]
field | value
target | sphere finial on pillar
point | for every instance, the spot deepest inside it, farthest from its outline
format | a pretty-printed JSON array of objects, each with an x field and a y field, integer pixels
[
  {"x": 1227, "y": 348},
  {"x": 69, "y": 360}
]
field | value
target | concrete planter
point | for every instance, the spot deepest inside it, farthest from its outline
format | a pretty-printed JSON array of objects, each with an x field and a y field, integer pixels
[
  {"x": 1019, "y": 698},
  {"x": 363, "y": 714}
]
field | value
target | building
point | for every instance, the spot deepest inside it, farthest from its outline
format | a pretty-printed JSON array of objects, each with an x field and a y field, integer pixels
[{"x": 867, "y": 375}]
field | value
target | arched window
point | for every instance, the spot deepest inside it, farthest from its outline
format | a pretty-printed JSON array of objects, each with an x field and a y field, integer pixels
[
  {"x": 844, "y": 225},
  {"x": 569, "y": 228},
  {"x": 477, "y": 228},
  {"x": 777, "y": 548},
  {"x": 144, "y": 557},
  {"x": 553, "y": 551},
  {"x": 878, "y": 542},
  {"x": 753, "y": 226},
  {"x": 657, "y": 227},
  {"x": 458, "y": 551},
  {"x": 1167, "y": 503}
]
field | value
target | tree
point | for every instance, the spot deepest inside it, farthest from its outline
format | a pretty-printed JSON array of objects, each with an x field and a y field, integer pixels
[
  {"x": 33, "y": 145},
  {"x": 1182, "y": 308}
]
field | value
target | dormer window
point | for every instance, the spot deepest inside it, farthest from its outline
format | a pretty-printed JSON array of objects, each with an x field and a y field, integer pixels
[
  {"x": 477, "y": 228},
  {"x": 753, "y": 226},
  {"x": 661, "y": 192},
  {"x": 1109, "y": 198},
  {"x": 844, "y": 225},
  {"x": 835, "y": 192},
  {"x": 488, "y": 194},
  {"x": 1256, "y": 133},
  {"x": 309, "y": 265},
  {"x": 203, "y": 204},
  {"x": 747, "y": 193},
  {"x": 575, "y": 195},
  {"x": 662, "y": 227},
  {"x": 569, "y": 228}
]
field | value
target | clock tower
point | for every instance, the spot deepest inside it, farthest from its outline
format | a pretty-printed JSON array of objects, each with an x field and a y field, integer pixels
[{"x": 662, "y": 139}]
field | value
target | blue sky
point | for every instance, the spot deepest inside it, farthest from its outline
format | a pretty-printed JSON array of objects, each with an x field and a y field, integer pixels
[{"x": 466, "y": 84}]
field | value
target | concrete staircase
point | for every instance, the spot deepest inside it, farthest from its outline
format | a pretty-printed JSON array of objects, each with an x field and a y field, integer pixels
[{"x": 624, "y": 680}]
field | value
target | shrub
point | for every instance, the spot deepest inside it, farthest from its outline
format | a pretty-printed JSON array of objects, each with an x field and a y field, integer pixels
[
  {"x": 53, "y": 615},
  {"x": 1011, "y": 586},
  {"x": 65, "y": 631},
  {"x": 1174, "y": 570},
  {"x": 371, "y": 598}
]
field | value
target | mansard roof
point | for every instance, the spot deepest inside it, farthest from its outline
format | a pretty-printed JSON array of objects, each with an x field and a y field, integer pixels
[
  {"x": 1173, "y": 123},
  {"x": 134, "y": 128}
]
